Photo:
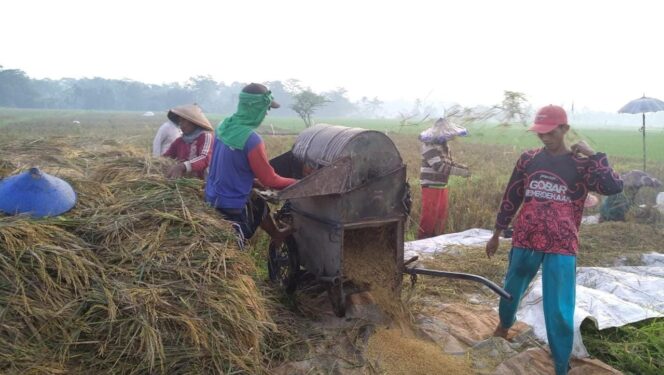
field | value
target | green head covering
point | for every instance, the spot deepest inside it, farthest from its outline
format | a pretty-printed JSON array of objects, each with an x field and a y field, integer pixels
[{"x": 251, "y": 110}]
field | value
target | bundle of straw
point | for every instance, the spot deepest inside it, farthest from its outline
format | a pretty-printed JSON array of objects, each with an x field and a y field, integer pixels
[{"x": 141, "y": 277}]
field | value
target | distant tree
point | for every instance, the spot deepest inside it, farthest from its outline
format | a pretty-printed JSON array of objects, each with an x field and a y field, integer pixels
[
  {"x": 418, "y": 115},
  {"x": 514, "y": 107},
  {"x": 305, "y": 104},
  {"x": 131, "y": 95},
  {"x": 205, "y": 91},
  {"x": 50, "y": 93},
  {"x": 465, "y": 116},
  {"x": 174, "y": 94},
  {"x": 369, "y": 107},
  {"x": 93, "y": 93},
  {"x": 339, "y": 105},
  {"x": 16, "y": 89},
  {"x": 293, "y": 86}
]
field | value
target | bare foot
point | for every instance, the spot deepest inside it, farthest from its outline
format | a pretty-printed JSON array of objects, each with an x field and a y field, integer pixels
[{"x": 501, "y": 332}]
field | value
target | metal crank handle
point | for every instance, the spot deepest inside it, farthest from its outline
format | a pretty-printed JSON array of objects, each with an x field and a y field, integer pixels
[{"x": 458, "y": 275}]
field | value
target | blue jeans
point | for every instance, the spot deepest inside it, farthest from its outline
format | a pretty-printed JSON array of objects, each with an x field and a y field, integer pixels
[{"x": 559, "y": 297}]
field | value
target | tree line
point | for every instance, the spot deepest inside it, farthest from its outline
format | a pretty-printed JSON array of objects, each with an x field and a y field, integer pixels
[{"x": 18, "y": 90}]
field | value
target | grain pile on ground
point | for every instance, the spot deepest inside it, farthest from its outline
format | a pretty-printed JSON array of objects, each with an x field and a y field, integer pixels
[
  {"x": 398, "y": 353},
  {"x": 141, "y": 277}
]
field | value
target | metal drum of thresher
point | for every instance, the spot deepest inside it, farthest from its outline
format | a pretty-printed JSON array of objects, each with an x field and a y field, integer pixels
[{"x": 357, "y": 186}]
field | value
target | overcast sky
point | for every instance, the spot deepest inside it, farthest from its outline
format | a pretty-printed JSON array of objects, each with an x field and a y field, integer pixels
[{"x": 596, "y": 54}]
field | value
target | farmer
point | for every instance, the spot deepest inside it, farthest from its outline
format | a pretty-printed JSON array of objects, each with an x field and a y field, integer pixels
[
  {"x": 615, "y": 207},
  {"x": 437, "y": 166},
  {"x": 239, "y": 161},
  {"x": 193, "y": 149},
  {"x": 168, "y": 132},
  {"x": 550, "y": 185}
]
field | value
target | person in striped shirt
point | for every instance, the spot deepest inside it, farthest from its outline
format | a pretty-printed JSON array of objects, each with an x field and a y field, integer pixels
[
  {"x": 193, "y": 149},
  {"x": 436, "y": 168}
]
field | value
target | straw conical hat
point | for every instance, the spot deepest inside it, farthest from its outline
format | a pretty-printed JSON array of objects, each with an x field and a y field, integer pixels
[{"x": 190, "y": 112}]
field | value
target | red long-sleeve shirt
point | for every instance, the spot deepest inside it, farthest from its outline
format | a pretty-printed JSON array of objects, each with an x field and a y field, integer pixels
[
  {"x": 550, "y": 190},
  {"x": 195, "y": 155},
  {"x": 264, "y": 171}
]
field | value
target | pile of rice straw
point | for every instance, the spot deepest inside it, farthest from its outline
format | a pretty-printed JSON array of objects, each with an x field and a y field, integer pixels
[{"x": 140, "y": 277}]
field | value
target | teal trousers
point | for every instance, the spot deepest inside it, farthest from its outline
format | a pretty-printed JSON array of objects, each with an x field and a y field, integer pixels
[{"x": 559, "y": 297}]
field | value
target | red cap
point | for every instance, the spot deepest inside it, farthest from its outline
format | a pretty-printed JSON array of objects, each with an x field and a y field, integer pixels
[{"x": 548, "y": 118}]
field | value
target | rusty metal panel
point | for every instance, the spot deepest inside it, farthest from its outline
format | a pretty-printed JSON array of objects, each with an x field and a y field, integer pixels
[
  {"x": 319, "y": 246},
  {"x": 379, "y": 198},
  {"x": 359, "y": 181},
  {"x": 332, "y": 179},
  {"x": 372, "y": 153}
]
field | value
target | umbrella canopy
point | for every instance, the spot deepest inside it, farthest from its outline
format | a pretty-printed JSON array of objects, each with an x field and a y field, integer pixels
[
  {"x": 36, "y": 193},
  {"x": 643, "y": 105}
]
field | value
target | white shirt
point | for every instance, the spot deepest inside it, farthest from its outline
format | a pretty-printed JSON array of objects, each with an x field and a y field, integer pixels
[{"x": 167, "y": 133}]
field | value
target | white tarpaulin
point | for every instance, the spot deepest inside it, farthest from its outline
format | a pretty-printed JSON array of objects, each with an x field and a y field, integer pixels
[
  {"x": 611, "y": 297},
  {"x": 441, "y": 244}
]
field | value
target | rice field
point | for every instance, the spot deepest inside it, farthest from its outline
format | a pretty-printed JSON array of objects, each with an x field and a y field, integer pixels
[{"x": 133, "y": 233}]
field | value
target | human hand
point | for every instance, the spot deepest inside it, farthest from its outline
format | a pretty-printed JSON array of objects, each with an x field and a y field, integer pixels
[
  {"x": 492, "y": 245},
  {"x": 582, "y": 148},
  {"x": 176, "y": 171}
]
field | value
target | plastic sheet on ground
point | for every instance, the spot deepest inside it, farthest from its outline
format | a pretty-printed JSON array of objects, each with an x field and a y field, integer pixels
[
  {"x": 442, "y": 244},
  {"x": 590, "y": 219},
  {"x": 653, "y": 259},
  {"x": 611, "y": 297}
]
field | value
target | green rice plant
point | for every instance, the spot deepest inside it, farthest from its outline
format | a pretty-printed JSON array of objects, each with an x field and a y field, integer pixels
[{"x": 636, "y": 348}]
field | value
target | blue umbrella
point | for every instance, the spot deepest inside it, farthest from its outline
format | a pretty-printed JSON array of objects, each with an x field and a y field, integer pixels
[
  {"x": 643, "y": 105},
  {"x": 36, "y": 193}
]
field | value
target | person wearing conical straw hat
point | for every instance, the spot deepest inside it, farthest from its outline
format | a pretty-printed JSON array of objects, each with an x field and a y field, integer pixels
[
  {"x": 193, "y": 149},
  {"x": 437, "y": 166},
  {"x": 239, "y": 161},
  {"x": 545, "y": 196}
]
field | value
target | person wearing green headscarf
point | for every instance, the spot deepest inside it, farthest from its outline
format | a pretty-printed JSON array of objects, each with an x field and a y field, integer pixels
[
  {"x": 251, "y": 110},
  {"x": 239, "y": 160}
]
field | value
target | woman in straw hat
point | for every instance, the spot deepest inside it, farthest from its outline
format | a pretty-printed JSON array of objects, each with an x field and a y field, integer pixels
[
  {"x": 545, "y": 196},
  {"x": 193, "y": 149},
  {"x": 437, "y": 166},
  {"x": 239, "y": 161}
]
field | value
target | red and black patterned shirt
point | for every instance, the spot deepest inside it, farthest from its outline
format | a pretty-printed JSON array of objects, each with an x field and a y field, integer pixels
[{"x": 551, "y": 190}]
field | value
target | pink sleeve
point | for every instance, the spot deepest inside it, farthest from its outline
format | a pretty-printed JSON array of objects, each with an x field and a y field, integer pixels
[{"x": 264, "y": 171}]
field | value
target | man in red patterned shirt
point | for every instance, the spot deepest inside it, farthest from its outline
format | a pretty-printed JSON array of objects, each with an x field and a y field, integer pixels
[
  {"x": 550, "y": 186},
  {"x": 193, "y": 149}
]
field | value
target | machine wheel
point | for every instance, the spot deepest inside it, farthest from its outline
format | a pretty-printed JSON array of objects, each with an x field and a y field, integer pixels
[
  {"x": 283, "y": 264},
  {"x": 337, "y": 297}
]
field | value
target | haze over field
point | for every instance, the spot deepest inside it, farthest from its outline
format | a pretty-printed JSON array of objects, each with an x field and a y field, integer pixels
[{"x": 592, "y": 55}]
